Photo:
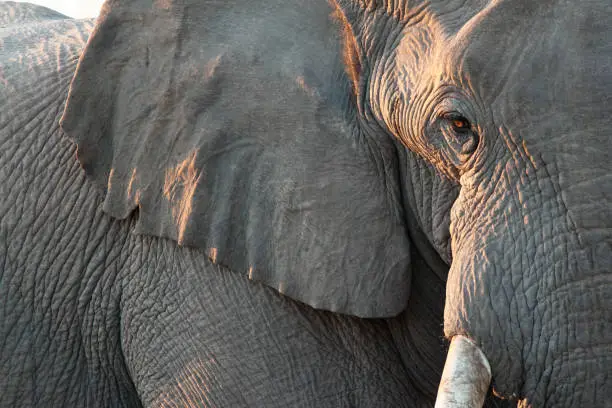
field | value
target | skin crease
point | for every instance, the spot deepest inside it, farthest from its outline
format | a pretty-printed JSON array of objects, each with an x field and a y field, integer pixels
[{"x": 96, "y": 315}]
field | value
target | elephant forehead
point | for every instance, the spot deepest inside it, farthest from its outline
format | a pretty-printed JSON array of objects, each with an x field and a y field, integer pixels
[
  {"x": 543, "y": 70},
  {"x": 531, "y": 57}
]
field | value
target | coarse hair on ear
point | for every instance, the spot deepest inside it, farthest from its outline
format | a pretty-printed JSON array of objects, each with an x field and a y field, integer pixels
[{"x": 226, "y": 125}]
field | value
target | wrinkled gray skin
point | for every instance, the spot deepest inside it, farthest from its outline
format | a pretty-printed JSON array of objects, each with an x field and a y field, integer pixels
[{"x": 341, "y": 185}]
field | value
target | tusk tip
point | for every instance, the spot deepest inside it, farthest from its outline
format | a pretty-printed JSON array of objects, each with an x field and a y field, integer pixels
[{"x": 466, "y": 376}]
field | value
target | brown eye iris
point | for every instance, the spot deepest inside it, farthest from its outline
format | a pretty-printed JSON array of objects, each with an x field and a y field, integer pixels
[{"x": 460, "y": 124}]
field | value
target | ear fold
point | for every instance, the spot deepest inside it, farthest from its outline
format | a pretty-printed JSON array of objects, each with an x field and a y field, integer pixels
[
  {"x": 347, "y": 14},
  {"x": 230, "y": 126},
  {"x": 351, "y": 51}
]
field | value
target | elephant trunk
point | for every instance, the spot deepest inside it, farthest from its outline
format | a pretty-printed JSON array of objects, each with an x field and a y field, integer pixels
[{"x": 466, "y": 376}]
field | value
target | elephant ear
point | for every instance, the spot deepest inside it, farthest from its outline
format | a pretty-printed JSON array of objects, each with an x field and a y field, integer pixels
[{"x": 231, "y": 126}]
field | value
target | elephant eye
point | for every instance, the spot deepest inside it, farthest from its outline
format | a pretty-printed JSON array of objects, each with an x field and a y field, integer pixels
[
  {"x": 461, "y": 125},
  {"x": 458, "y": 123},
  {"x": 461, "y": 133}
]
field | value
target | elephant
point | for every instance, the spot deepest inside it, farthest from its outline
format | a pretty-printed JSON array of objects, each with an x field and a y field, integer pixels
[{"x": 271, "y": 203}]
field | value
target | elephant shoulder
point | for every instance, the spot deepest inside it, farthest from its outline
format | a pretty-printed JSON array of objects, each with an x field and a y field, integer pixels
[
  {"x": 37, "y": 40},
  {"x": 37, "y": 62},
  {"x": 12, "y": 13},
  {"x": 40, "y": 51}
]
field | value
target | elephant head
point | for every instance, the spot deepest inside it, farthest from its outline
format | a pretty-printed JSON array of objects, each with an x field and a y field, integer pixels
[{"x": 314, "y": 147}]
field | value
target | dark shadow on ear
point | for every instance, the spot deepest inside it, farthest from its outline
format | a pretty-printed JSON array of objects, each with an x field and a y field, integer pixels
[{"x": 230, "y": 125}]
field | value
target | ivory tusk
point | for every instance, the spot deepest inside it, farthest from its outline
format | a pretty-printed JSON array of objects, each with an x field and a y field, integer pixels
[{"x": 466, "y": 376}]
